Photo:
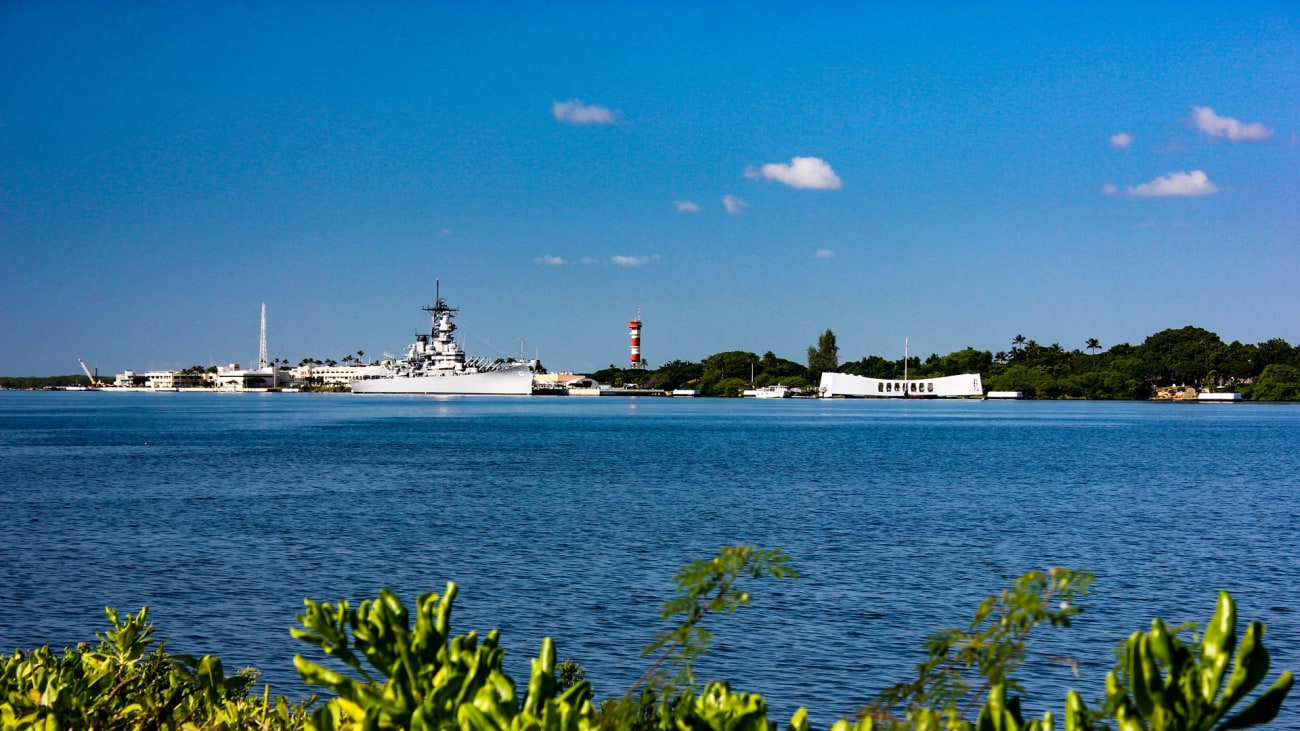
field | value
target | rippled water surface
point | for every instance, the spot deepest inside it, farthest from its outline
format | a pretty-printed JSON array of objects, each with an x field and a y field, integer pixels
[{"x": 568, "y": 517}]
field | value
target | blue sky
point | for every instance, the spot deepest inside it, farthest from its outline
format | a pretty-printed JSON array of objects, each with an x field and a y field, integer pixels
[{"x": 745, "y": 174}]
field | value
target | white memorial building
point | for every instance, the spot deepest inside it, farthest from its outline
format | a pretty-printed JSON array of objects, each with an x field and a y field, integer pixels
[{"x": 844, "y": 385}]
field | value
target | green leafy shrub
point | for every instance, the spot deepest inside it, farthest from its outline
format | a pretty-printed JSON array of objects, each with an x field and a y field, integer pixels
[
  {"x": 417, "y": 676},
  {"x": 1163, "y": 683},
  {"x": 405, "y": 670},
  {"x": 1277, "y": 383},
  {"x": 121, "y": 684},
  {"x": 994, "y": 646}
]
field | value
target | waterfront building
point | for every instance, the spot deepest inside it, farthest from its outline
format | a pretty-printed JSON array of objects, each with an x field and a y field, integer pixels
[
  {"x": 234, "y": 378},
  {"x": 326, "y": 375},
  {"x": 849, "y": 386},
  {"x": 556, "y": 381},
  {"x": 172, "y": 380}
]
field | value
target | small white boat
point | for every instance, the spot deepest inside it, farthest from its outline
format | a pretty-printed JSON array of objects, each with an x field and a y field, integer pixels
[{"x": 773, "y": 392}]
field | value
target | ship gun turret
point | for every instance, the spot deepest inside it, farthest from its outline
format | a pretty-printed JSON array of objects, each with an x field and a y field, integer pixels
[{"x": 434, "y": 363}]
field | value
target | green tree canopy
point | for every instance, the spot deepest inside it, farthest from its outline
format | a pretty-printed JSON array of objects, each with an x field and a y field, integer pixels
[
  {"x": 1183, "y": 356},
  {"x": 1277, "y": 383},
  {"x": 824, "y": 357}
]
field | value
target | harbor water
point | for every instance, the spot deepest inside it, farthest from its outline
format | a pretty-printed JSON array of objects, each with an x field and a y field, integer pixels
[{"x": 567, "y": 517}]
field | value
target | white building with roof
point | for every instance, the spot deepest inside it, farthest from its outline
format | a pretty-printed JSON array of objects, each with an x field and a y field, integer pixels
[{"x": 849, "y": 386}]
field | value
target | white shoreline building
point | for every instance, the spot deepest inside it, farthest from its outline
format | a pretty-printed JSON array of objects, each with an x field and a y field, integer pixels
[
  {"x": 327, "y": 375},
  {"x": 844, "y": 385}
]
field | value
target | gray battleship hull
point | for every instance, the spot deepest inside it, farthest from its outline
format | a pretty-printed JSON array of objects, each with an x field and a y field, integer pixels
[{"x": 517, "y": 381}]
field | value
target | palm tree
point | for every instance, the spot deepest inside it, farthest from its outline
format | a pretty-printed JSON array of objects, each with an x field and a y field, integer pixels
[
  {"x": 1093, "y": 344},
  {"x": 360, "y": 354},
  {"x": 1018, "y": 342}
]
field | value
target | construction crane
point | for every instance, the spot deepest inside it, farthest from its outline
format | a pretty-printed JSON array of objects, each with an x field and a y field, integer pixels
[{"x": 93, "y": 380}]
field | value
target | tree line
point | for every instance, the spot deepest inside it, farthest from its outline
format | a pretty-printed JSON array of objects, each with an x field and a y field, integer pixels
[{"x": 1188, "y": 356}]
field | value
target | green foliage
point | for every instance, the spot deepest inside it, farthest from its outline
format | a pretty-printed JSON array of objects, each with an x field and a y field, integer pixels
[
  {"x": 1162, "y": 684},
  {"x": 968, "y": 360},
  {"x": 417, "y": 676},
  {"x": 780, "y": 368},
  {"x": 716, "y": 707},
  {"x": 729, "y": 374},
  {"x": 35, "y": 382},
  {"x": 1272, "y": 352},
  {"x": 873, "y": 366},
  {"x": 1189, "y": 356},
  {"x": 1277, "y": 383},
  {"x": 727, "y": 388},
  {"x": 568, "y": 674},
  {"x": 408, "y": 672},
  {"x": 1183, "y": 356},
  {"x": 121, "y": 684},
  {"x": 994, "y": 645},
  {"x": 1031, "y": 381},
  {"x": 825, "y": 357},
  {"x": 705, "y": 587},
  {"x": 674, "y": 374}
]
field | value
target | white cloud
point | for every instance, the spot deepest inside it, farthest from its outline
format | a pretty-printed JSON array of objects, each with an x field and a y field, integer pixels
[
  {"x": 687, "y": 206},
  {"x": 825, "y": 254},
  {"x": 575, "y": 112},
  {"x": 552, "y": 260},
  {"x": 733, "y": 204},
  {"x": 1195, "y": 182},
  {"x": 1121, "y": 140},
  {"x": 1215, "y": 126},
  {"x": 802, "y": 172},
  {"x": 633, "y": 261},
  {"x": 1109, "y": 189}
]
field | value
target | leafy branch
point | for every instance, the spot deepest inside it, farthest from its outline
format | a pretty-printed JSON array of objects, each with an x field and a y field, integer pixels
[
  {"x": 994, "y": 645},
  {"x": 706, "y": 586}
]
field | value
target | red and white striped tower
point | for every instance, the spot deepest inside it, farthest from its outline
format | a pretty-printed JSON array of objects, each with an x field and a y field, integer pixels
[{"x": 634, "y": 331}]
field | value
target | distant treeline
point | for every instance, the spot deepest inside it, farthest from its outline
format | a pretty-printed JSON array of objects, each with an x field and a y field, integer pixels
[
  {"x": 1189, "y": 356},
  {"x": 27, "y": 382}
]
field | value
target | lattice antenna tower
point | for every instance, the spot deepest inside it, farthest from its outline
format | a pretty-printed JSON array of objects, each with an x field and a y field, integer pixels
[{"x": 261, "y": 348}]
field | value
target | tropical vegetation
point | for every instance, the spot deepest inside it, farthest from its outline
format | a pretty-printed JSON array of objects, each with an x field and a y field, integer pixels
[
  {"x": 394, "y": 667},
  {"x": 1185, "y": 357},
  {"x": 39, "y": 382},
  {"x": 1188, "y": 357}
]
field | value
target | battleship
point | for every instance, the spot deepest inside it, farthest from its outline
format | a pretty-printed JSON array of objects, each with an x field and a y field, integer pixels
[{"x": 435, "y": 364}]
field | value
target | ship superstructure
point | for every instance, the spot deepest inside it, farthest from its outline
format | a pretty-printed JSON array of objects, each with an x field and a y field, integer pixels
[{"x": 436, "y": 364}]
